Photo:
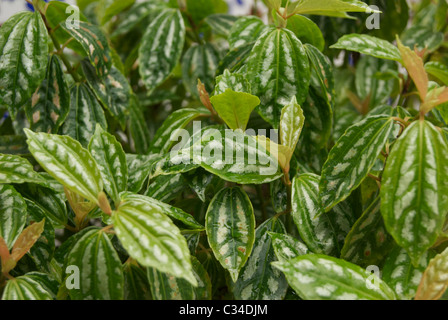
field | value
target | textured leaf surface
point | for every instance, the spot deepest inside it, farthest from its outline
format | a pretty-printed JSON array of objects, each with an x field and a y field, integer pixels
[
  {"x": 12, "y": 214},
  {"x": 401, "y": 275},
  {"x": 101, "y": 275},
  {"x": 435, "y": 279},
  {"x": 161, "y": 47},
  {"x": 235, "y": 81},
  {"x": 230, "y": 227},
  {"x": 291, "y": 124},
  {"x": 368, "y": 45},
  {"x": 323, "y": 232},
  {"x": 414, "y": 192},
  {"x": 24, "y": 55},
  {"x": 14, "y": 169},
  {"x": 278, "y": 69},
  {"x": 166, "y": 188},
  {"x": 151, "y": 238},
  {"x": 245, "y": 30},
  {"x": 25, "y": 288},
  {"x": 68, "y": 162},
  {"x": 319, "y": 277},
  {"x": 111, "y": 162},
  {"x": 258, "y": 279},
  {"x": 85, "y": 113},
  {"x": 50, "y": 104},
  {"x": 26, "y": 240},
  {"x": 353, "y": 156},
  {"x": 287, "y": 247}
]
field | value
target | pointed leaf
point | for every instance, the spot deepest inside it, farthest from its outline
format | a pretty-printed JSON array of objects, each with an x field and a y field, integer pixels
[
  {"x": 319, "y": 277},
  {"x": 245, "y": 30},
  {"x": 26, "y": 240},
  {"x": 235, "y": 81},
  {"x": 330, "y": 7},
  {"x": 414, "y": 192},
  {"x": 25, "y": 288},
  {"x": 12, "y": 214},
  {"x": 14, "y": 169},
  {"x": 291, "y": 124},
  {"x": 287, "y": 247},
  {"x": 435, "y": 279},
  {"x": 68, "y": 162}
]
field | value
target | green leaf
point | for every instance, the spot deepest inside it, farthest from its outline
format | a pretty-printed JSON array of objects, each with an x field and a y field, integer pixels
[
  {"x": 422, "y": 37},
  {"x": 438, "y": 70},
  {"x": 323, "y": 232},
  {"x": 287, "y": 247},
  {"x": 368, "y": 45},
  {"x": 25, "y": 288},
  {"x": 258, "y": 279},
  {"x": 151, "y": 238},
  {"x": 85, "y": 113},
  {"x": 50, "y": 104},
  {"x": 166, "y": 188},
  {"x": 111, "y": 161},
  {"x": 199, "y": 62},
  {"x": 291, "y": 124},
  {"x": 167, "y": 287},
  {"x": 353, "y": 156},
  {"x": 246, "y": 30},
  {"x": 95, "y": 45},
  {"x": 235, "y": 81},
  {"x": 68, "y": 162},
  {"x": 307, "y": 31},
  {"x": 200, "y": 9},
  {"x": 230, "y": 227},
  {"x": 113, "y": 91},
  {"x": 401, "y": 275},
  {"x": 332, "y": 8},
  {"x": 319, "y": 277},
  {"x": 235, "y": 59},
  {"x": 115, "y": 7},
  {"x": 136, "y": 285},
  {"x": 278, "y": 69},
  {"x": 414, "y": 188},
  {"x": 161, "y": 47},
  {"x": 14, "y": 169},
  {"x": 100, "y": 272},
  {"x": 368, "y": 243},
  {"x": 139, "y": 168},
  {"x": 235, "y": 108},
  {"x": 177, "y": 120},
  {"x": 24, "y": 56},
  {"x": 221, "y": 24},
  {"x": 138, "y": 127},
  {"x": 434, "y": 282},
  {"x": 12, "y": 214},
  {"x": 203, "y": 183}
]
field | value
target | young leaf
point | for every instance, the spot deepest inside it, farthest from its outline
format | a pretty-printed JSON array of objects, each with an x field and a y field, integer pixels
[
  {"x": 291, "y": 125},
  {"x": 151, "y": 238},
  {"x": 161, "y": 47},
  {"x": 258, "y": 279},
  {"x": 278, "y": 69},
  {"x": 235, "y": 108},
  {"x": 414, "y": 188},
  {"x": 68, "y": 162},
  {"x": 323, "y": 232},
  {"x": 26, "y": 240},
  {"x": 111, "y": 161},
  {"x": 401, "y": 275},
  {"x": 438, "y": 70},
  {"x": 24, "y": 56},
  {"x": 100, "y": 271},
  {"x": 352, "y": 158},
  {"x": 368, "y": 45},
  {"x": 319, "y": 277},
  {"x": 435, "y": 278},
  {"x": 230, "y": 227},
  {"x": 332, "y": 8},
  {"x": 12, "y": 214},
  {"x": 94, "y": 43},
  {"x": 287, "y": 247},
  {"x": 85, "y": 113},
  {"x": 50, "y": 104},
  {"x": 25, "y": 288}
]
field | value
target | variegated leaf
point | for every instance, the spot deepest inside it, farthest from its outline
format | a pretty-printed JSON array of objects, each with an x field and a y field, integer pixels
[
  {"x": 278, "y": 69},
  {"x": 401, "y": 275},
  {"x": 94, "y": 43},
  {"x": 150, "y": 237},
  {"x": 50, "y": 104},
  {"x": 14, "y": 169},
  {"x": 111, "y": 162},
  {"x": 166, "y": 188},
  {"x": 203, "y": 183},
  {"x": 235, "y": 59},
  {"x": 353, "y": 156},
  {"x": 368, "y": 45},
  {"x": 12, "y": 214},
  {"x": 287, "y": 247},
  {"x": 414, "y": 188},
  {"x": 25, "y": 288},
  {"x": 220, "y": 23},
  {"x": 161, "y": 47},
  {"x": 167, "y": 287},
  {"x": 319, "y": 277},
  {"x": 258, "y": 279},
  {"x": 291, "y": 124},
  {"x": 100, "y": 272},
  {"x": 136, "y": 285},
  {"x": 435, "y": 278},
  {"x": 368, "y": 243},
  {"x": 245, "y": 30},
  {"x": 230, "y": 227},
  {"x": 139, "y": 168},
  {"x": 235, "y": 81},
  {"x": 68, "y": 162},
  {"x": 24, "y": 56},
  {"x": 85, "y": 113},
  {"x": 323, "y": 232}
]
